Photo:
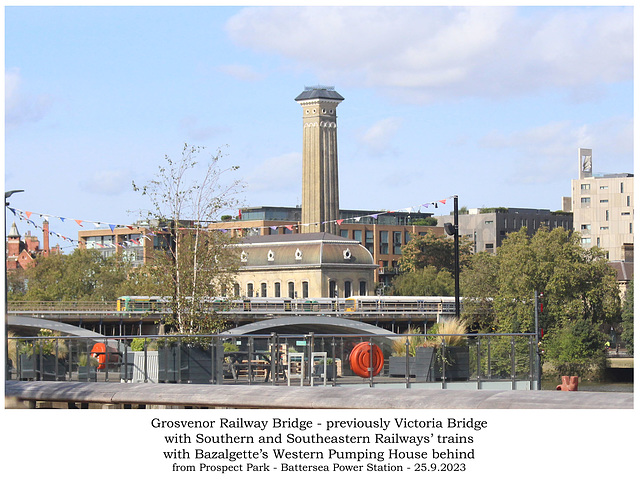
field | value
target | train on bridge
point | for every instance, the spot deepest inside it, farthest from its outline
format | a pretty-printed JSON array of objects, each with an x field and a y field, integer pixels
[{"x": 361, "y": 304}]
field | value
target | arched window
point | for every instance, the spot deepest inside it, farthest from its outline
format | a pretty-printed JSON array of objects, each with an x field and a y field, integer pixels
[
  {"x": 347, "y": 288},
  {"x": 292, "y": 290}
]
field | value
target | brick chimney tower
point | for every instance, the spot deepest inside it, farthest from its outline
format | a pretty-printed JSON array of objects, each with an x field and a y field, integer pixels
[
  {"x": 320, "y": 201},
  {"x": 45, "y": 239}
]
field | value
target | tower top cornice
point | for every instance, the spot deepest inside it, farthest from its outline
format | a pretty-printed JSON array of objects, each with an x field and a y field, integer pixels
[{"x": 319, "y": 92}]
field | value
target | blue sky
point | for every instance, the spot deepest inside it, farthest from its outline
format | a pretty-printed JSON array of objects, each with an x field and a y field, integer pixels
[{"x": 490, "y": 104}]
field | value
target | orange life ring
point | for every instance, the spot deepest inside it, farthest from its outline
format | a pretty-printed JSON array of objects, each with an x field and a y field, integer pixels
[
  {"x": 99, "y": 351},
  {"x": 360, "y": 359}
]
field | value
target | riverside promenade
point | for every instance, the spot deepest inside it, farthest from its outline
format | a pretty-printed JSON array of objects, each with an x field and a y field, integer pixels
[{"x": 34, "y": 394}]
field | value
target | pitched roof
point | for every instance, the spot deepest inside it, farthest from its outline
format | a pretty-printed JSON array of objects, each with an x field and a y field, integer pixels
[{"x": 319, "y": 92}]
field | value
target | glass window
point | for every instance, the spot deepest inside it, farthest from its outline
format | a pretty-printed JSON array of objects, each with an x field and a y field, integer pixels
[
  {"x": 305, "y": 289},
  {"x": 585, "y": 186},
  {"x": 397, "y": 243},
  {"x": 236, "y": 290},
  {"x": 347, "y": 288},
  {"x": 363, "y": 288},
  {"x": 344, "y": 233},
  {"x": 368, "y": 243},
  {"x": 357, "y": 235},
  {"x": 263, "y": 289},
  {"x": 292, "y": 290},
  {"x": 384, "y": 242},
  {"x": 276, "y": 289},
  {"x": 249, "y": 290},
  {"x": 585, "y": 201}
]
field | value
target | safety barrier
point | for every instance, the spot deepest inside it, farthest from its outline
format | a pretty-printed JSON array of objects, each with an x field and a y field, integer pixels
[{"x": 483, "y": 361}]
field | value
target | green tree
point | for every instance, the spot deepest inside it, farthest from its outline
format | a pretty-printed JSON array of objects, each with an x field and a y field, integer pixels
[
  {"x": 83, "y": 275},
  {"x": 433, "y": 250},
  {"x": 478, "y": 285},
  {"x": 627, "y": 319},
  {"x": 198, "y": 262},
  {"x": 579, "y": 291},
  {"x": 427, "y": 281}
]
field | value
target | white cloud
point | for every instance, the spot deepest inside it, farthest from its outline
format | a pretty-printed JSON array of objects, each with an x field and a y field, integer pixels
[
  {"x": 21, "y": 106},
  {"x": 547, "y": 152},
  {"x": 425, "y": 53},
  {"x": 378, "y": 138}
]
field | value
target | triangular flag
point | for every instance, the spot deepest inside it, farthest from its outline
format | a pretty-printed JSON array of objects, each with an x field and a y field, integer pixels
[
  {"x": 444, "y": 201},
  {"x": 79, "y": 222},
  {"x": 28, "y": 214},
  {"x": 61, "y": 218},
  {"x": 111, "y": 226},
  {"x": 339, "y": 221}
]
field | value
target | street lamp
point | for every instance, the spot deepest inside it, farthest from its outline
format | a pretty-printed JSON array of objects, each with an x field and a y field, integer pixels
[
  {"x": 454, "y": 231},
  {"x": 6, "y": 287}
]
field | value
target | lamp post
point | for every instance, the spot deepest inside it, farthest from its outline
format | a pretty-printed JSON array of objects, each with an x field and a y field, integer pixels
[
  {"x": 454, "y": 231},
  {"x": 6, "y": 286}
]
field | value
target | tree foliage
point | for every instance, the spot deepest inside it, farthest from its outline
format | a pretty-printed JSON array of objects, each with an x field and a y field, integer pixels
[
  {"x": 433, "y": 250},
  {"x": 627, "y": 319},
  {"x": 427, "y": 281},
  {"x": 579, "y": 293},
  {"x": 198, "y": 263},
  {"x": 83, "y": 275}
]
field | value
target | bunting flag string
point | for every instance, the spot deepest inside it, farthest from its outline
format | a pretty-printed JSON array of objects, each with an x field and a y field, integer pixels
[{"x": 26, "y": 216}]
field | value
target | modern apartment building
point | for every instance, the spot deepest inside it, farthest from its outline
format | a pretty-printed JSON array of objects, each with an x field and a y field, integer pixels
[
  {"x": 602, "y": 207},
  {"x": 487, "y": 228}
]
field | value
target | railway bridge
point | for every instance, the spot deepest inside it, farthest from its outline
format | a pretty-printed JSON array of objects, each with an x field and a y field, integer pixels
[{"x": 104, "y": 317}]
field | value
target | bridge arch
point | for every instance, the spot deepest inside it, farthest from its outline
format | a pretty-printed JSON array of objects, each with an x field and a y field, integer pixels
[{"x": 307, "y": 324}]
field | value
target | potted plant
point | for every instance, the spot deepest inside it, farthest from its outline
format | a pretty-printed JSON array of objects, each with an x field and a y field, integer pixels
[
  {"x": 332, "y": 368},
  {"x": 188, "y": 360},
  {"x": 42, "y": 359},
  {"x": 142, "y": 356},
  {"x": 87, "y": 367},
  {"x": 413, "y": 349},
  {"x": 452, "y": 354}
]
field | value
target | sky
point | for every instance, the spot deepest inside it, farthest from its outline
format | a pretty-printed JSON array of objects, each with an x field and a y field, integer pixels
[{"x": 489, "y": 103}]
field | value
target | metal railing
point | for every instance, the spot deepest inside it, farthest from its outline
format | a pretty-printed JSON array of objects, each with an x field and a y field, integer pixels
[{"x": 481, "y": 361}]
